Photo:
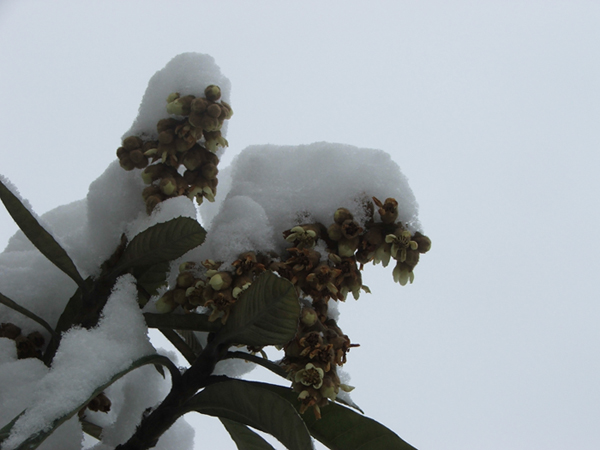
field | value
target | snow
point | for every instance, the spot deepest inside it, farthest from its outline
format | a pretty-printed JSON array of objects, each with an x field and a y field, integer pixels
[
  {"x": 188, "y": 74},
  {"x": 85, "y": 360},
  {"x": 274, "y": 188},
  {"x": 267, "y": 189}
]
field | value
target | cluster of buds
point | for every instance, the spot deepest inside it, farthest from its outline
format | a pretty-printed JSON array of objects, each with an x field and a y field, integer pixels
[
  {"x": 207, "y": 286},
  {"x": 182, "y": 161},
  {"x": 312, "y": 357},
  {"x": 319, "y": 346},
  {"x": 29, "y": 346}
]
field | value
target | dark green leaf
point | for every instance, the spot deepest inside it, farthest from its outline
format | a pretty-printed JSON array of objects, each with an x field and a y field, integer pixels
[
  {"x": 38, "y": 236},
  {"x": 152, "y": 277},
  {"x": 36, "y": 439},
  {"x": 244, "y": 437},
  {"x": 194, "y": 322},
  {"x": 11, "y": 304},
  {"x": 266, "y": 363},
  {"x": 162, "y": 242},
  {"x": 265, "y": 314},
  {"x": 250, "y": 404},
  {"x": 340, "y": 428}
]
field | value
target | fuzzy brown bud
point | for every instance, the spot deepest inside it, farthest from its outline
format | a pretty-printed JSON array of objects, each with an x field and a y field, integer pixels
[
  {"x": 341, "y": 215},
  {"x": 212, "y": 93},
  {"x": 132, "y": 142},
  {"x": 424, "y": 243},
  {"x": 209, "y": 171}
]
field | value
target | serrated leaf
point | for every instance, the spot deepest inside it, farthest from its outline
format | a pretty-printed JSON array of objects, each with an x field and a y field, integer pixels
[
  {"x": 36, "y": 439},
  {"x": 38, "y": 236},
  {"x": 252, "y": 405},
  {"x": 340, "y": 428},
  {"x": 244, "y": 437},
  {"x": 266, "y": 313},
  {"x": 162, "y": 242},
  {"x": 14, "y": 305}
]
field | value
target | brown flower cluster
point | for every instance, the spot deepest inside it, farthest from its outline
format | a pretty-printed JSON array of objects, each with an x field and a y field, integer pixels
[
  {"x": 190, "y": 140},
  {"x": 29, "y": 346},
  {"x": 319, "y": 346},
  {"x": 209, "y": 287}
]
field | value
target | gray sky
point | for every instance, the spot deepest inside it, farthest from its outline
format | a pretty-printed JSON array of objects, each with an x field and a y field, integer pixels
[{"x": 490, "y": 108}]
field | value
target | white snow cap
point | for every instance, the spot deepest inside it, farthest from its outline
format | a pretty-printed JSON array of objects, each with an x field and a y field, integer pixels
[
  {"x": 188, "y": 74},
  {"x": 273, "y": 188}
]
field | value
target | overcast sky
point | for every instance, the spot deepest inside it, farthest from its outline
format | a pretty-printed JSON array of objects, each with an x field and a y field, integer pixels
[{"x": 492, "y": 110}]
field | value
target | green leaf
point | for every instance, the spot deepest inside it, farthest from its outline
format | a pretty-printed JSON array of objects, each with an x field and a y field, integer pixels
[
  {"x": 14, "y": 305},
  {"x": 266, "y": 313},
  {"x": 340, "y": 428},
  {"x": 36, "y": 439},
  {"x": 151, "y": 278},
  {"x": 266, "y": 363},
  {"x": 162, "y": 242},
  {"x": 252, "y": 405},
  {"x": 192, "y": 321},
  {"x": 244, "y": 437},
  {"x": 38, "y": 236}
]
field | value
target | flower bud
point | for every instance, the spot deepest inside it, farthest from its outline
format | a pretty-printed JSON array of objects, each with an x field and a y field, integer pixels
[
  {"x": 166, "y": 124},
  {"x": 193, "y": 158},
  {"x": 166, "y": 137},
  {"x": 132, "y": 142},
  {"x": 179, "y": 296},
  {"x": 185, "y": 280},
  {"x": 335, "y": 232},
  {"x": 309, "y": 316},
  {"x": 166, "y": 303},
  {"x": 137, "y": 157},
  {"x": 220, "y": 281},
  {"x": 180, "y": 106},
  {"x": 212, "y": 93},
  {"x": 172, "y": 97},
  {"x": 36, "y": 338},
  {"x": 227, "y": 112},
  {"x": 214, "y": 110},
  {"x": 9, "y": 330},
  {"x": 423, "y": 242},
  {"x": 209, "y": 171},
  {"x": 151, "y": 203},
  {"x": 126, "y": 163},
  {"x": 341, "y": 215},
  {"x": 195, "y": 118},
  {"x": 199, "y": 105},
  {"x": 168, "y": 186},
  {"x": 209, "y": 123}
]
